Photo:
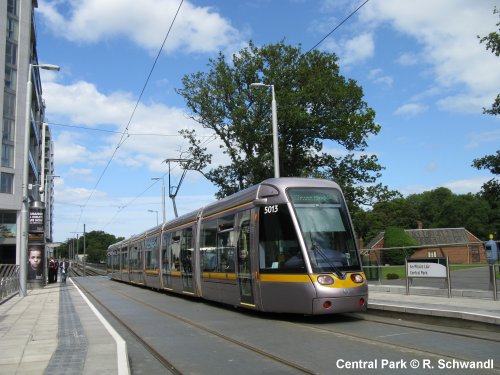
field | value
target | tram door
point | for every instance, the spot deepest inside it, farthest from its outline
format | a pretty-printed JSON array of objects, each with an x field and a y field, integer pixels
[
  {"x": 186, "y": 255},
  {"x": 244, "y": 269},
  {"x": 166, "y": 256}
]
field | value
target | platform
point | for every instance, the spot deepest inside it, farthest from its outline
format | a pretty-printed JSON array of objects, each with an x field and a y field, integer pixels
[{"x": 55, "y": 331}]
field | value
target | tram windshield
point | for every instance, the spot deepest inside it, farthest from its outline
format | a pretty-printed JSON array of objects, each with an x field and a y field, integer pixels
[{"x": 323, "y": 219}]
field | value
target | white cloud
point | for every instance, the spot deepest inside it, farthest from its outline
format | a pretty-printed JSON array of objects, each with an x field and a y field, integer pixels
[
  {"x": 69, "y": 150},
  {"x": 408, "y": 59},
  {"x": 357, "y": 49},
  {"x": 152, "y": 136},
  {"x": 478, "y": 139},
  {"x": 378, "y": 76},
  {"x": 463, "y": 186},
  {"x": 410, "y": 109},
  {"x": 448, "y": 31},
  {"x": 145, "y": 22}
]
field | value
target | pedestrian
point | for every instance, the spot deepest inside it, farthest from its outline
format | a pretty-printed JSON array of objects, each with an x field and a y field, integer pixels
[
  {"x": 50, "y": 268},
  {"x": 56, "y": 268},
  {"x": 64, "y": 266}
]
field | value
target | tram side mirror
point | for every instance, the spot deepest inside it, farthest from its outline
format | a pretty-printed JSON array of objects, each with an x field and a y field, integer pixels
[
  {"x": 491, "y": 251},
  {"x": 260, "y": 202}
]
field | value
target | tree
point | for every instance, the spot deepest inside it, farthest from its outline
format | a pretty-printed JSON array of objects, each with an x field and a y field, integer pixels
[
  {"x": 491, "y": 189},
  {"x": 96, "y": 244},
  {"x": 398, "y": 212},
  {"x": 319, "y": 111}
]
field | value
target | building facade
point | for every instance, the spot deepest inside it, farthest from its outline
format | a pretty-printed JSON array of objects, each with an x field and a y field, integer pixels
[
  {"x": 18, "y": 64},
  {"x": 458, "y": 244}
]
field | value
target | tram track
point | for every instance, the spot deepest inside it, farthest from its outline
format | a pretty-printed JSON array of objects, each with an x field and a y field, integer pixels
[
  {"x": 169, "y": 365},
  {"x": 378, "y": 341},
  {"x": 157, "y": 355}
]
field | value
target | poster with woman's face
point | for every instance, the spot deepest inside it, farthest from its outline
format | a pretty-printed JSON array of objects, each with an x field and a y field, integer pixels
[{"x": 35, "y": 262}]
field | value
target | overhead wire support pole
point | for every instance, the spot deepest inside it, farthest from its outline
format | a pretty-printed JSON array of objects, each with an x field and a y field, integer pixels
[{"x": 173, "y": 190}]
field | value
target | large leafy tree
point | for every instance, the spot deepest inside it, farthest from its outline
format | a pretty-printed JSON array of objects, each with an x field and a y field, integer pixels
[
  {"x": 323, "y": 121},
  {"x": 491, "y": 189}
]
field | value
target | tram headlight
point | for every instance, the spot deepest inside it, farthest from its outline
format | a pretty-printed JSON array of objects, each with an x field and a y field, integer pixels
[
  {"x": 325, "y": 280},
  {"x": 357, "y": 278}
]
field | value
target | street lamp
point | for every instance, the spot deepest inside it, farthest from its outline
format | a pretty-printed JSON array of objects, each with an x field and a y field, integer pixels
[
  {"x": 275, "y": 127},
  {"x": 162, "y": 193},
  {"x": 156, "y": 215},
  {"x": 23, "y": 267}
]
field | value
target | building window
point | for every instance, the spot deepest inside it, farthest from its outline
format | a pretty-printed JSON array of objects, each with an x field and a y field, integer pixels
[
  {"x": 431, "y": 254},
  {"x": 6, "y": 182},
  {"x": 10, "y": 78},
  {"x": 8, "y": 130},
  {"x": 12, "y": 7},
  {"x": 10, "y": 53},
  {"x": 12, "y": 29},
  {"x": 9, "y": 104},
  {"x": 7, "y": 155},
  {"x": 8, "y": 225}
]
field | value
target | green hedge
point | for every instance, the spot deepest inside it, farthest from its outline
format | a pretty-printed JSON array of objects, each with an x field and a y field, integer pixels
[{"x": 398, "y": 239}]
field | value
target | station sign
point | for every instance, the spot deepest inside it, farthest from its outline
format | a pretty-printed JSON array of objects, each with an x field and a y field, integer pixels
[{"x": 425, "y": 269}]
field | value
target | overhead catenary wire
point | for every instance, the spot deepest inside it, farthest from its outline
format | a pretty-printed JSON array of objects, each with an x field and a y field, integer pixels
[
  {"x": 336, "y": 27},
  {"x": 119, "y": 132},
  {"x": 125, "y": 134}
]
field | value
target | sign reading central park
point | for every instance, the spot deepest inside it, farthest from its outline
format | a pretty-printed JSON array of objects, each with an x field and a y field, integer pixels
[{"x": 425, "y": 269}]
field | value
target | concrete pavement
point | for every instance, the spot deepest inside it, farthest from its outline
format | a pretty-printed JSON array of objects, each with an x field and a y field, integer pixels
[{"x": 55, "y": 331}]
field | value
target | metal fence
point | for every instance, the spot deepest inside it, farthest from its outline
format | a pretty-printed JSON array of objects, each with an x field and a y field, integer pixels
[
  {"x": 467, "y": 262},
  {"x": 9, "y": 280}
]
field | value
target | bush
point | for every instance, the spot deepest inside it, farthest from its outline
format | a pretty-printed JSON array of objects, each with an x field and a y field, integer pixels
[
  {"x": 392, "y": 276},
  {"x": 397, "y": 237}
]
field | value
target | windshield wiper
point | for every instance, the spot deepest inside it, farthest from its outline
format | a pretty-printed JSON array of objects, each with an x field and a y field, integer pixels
[{"x": 319, "y": 251}]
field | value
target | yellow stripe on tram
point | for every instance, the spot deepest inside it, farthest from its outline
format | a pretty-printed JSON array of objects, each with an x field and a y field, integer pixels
[{"x": 284, "y": 278}]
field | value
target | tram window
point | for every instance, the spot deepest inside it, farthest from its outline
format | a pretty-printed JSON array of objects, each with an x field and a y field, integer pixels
[
  {"x": 244, "y": 241},
  {"x": 125, "y": 260},
  {"x": 175, "y": 251},
  {"x": 136, "y": 262},
  {"x": 186, "y": 250},
  {"x": 325, "y": 227},
  {"x": 279, "y": 250},
  {"x": 151, "y": 253},
  {"x": 225, "y": 243},
  {"x": 218, "y": 244},
  {"x": 165, "y": 254},
  {"x": 208, "y": 248}
]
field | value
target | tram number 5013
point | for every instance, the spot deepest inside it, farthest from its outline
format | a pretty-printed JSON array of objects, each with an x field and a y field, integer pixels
[{"x": 271, "y": 209}]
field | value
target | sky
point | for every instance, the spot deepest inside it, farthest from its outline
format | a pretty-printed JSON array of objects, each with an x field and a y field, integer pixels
[{"x": 420, "y": 64}]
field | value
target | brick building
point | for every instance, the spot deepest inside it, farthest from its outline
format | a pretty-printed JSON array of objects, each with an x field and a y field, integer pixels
[{"x": 458, "y": 244}]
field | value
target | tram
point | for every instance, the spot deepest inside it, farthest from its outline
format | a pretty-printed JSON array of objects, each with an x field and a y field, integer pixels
[{"x": 285, "y": 245}]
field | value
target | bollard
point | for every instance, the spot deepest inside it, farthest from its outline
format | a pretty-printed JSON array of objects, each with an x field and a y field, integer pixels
[{"x": 493, "y": 281}]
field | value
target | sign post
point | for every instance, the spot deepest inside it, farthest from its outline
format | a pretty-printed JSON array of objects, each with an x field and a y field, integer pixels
[{"x": 427, "y": 268}]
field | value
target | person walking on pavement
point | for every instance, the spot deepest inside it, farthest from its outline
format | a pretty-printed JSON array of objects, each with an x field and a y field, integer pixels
[
  {"x": 64, "y": 266},
  {"x": 56, "y": 270}
]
